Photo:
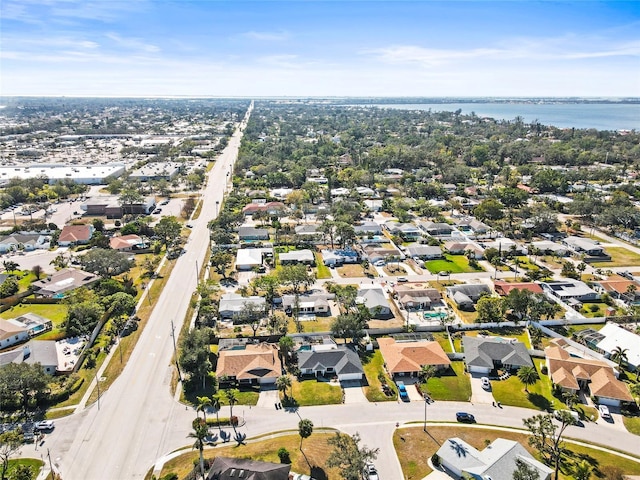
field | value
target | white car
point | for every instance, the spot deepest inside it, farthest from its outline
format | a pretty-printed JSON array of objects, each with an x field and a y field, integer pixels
[
  {"x": 370, "y": 472},
  {"x": 604, "y": 411},
  {"x": 44, "y": 425},
  {"x": 486, "y": 384}
]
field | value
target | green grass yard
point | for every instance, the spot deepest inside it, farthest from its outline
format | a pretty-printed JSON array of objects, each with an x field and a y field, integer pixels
[
  {"x": 314, "y": 392},
  {"x": 452, "y": 264},
  {"x": 452, "y": 385},
  {"x": 620, "y": 257},
  {"x": 373, "y": 365},
  {"x": 322, "y": 270},
  {"x": 56, "y": 312}
]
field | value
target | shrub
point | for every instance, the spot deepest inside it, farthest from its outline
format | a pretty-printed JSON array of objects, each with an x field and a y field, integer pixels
[
  {"x": 594, "y": 308},
  {"x": 544, "y": 370},
  {"x": 170, "y": 476},
  {"x": 283, "y": 455}
]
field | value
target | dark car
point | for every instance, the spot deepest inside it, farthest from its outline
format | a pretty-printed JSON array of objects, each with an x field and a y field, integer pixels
[{"x": 465, "y": 417}]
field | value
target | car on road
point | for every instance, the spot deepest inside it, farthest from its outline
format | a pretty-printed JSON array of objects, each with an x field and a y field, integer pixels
[
  {"x": 444, "y": 273},
  {"x": 402, "y": 279},
  {"x": 402, "y": 391},
  {"x": 574, "y": 415},
  {"x": 604, "y": 411},
  {"x": 486, "y": 384},
  {"x": 189, "y": 225},
  {"x": 465, "y": 417},
  {"x": 157, "y": 211},
  {"x": 44, "y": 425},
  {"x": 379, "y": 263},
  {"x": 370, "y": 472},
  {"x": 164, "y": 202}
]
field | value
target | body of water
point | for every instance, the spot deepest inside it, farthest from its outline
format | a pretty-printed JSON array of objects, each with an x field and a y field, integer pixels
[{"x": 601, "y": 116}]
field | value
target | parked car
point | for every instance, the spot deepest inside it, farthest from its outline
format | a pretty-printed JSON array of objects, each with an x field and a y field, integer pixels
[
  {"x": 164, "y": 202},
  {"x": 379, "y": 263},
  {"x": 402, "y": 279},
  {"x": 465, "y": 417},
  {"x": 402, "y": 391},
  {"x": 157, "y": 210},
  {"x": 574, "y": 415},
  {"x": 44, "y": 425},
  {"x": 370, "y": 472},
  {"x": 604, "y": 411},
  {"x": 486, "y": 384}
]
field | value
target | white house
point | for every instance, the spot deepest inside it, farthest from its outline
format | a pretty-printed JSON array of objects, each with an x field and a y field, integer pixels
[
  {"x": 12, "y": 332},
  {"x": 617, "y": 337},
  {"x": 247, "y": 258}
]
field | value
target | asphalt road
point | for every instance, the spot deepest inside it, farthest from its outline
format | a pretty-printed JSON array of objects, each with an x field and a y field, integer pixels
[{"x": 122, "y": 436}]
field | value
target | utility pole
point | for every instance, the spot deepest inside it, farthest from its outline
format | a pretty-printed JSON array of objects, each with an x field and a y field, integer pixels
[
  {"x": 425, "y": 413},
  {"x": 98, "y": 387},
  {"x": 53, "y": 474},
  {"x": 175, "y": 350}
]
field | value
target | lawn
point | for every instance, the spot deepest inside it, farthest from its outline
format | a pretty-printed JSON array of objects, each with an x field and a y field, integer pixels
[
  {"x": 35, "y": 465},
  {"x": 414, "y": 447},
  {"x": 632, "y": 424},
  {"x": 373, "y": 366},
  {"x": 245, "y": 396},
  {"x": 322, "y": 271},
  {"x": 453, "y": 384},
  {"x": 466, "y": 317},
  {"x": 320, "y": 324},
  {"x": 443, "y": 339},
  {"x": 314, "y": 392},
  {"x": 620, "y": 257},
  {"x": 589, "y": 309},
  {"x": 511, "y": 392},
  {"x": 316, "y": 451},
  {"x": 452, "y": 264},
  {"x": 56, "y": 312},
  {"x": 518, "y": 333},
  {"x": 351, "y": 271}
]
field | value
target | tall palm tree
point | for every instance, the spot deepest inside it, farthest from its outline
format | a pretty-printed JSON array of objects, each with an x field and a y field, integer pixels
[
  {"x": 200, "y": 432},
  {"x": 619, "y": 355},
  {"x": 528, "y": 376},
  {"x": 283, "y": 383},
  {"x": 305, "y": 429},
  {"x": 582, "y": 470},
  {"x": 570, "y": 398},
  {"x": 215, "y": 404},
  {"x": 203, "y": 404},
  {"x": 231, "y": 395}
]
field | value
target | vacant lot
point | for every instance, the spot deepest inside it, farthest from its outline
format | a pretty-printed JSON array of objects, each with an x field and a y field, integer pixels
[
  {"x": 452, "y": 264},
  {"x": 620, "y": 257}
]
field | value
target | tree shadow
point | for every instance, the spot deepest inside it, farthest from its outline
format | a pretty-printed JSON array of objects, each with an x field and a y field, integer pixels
[
  {"x": 240, "y": 438},
  {"x": 540, "y": 401},
  {"x": 290, "y": 404}
]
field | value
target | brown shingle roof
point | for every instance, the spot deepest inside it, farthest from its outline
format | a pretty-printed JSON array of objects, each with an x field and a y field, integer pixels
[
  {"x": 411, "y": 356},
  {"x": 75, "y": 233},
  {"x": 254, "y": 362}
]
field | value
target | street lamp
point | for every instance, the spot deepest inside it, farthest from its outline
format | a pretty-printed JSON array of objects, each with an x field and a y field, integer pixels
[{"x": 217, "y": 207}]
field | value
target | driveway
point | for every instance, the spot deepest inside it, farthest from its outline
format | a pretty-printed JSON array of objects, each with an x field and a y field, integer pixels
[
  {"x": 269, "y": 396},
  {"x": 353, "y": 392},
  {"x": 479, "y": 394}
]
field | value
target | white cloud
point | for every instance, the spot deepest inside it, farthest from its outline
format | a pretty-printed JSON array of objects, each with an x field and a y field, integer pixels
[
  {"x": 132, "y": 43},
  {"x": 267, "y": 36}
]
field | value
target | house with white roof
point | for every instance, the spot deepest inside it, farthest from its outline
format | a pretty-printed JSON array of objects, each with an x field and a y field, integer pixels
[
  {"x": 570, "y": 290},
  {"x": 231, "y": 304},
  {"x": 617, "y": 337},
  {"x": 247, "y": 258}
]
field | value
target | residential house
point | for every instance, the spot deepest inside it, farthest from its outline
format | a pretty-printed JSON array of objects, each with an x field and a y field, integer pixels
[
  {"x": 505, "y": 245},
  {"x": 272, "y": 208},
  {"x": 547, "y": 247},
  {"x": 406, "y": 358},
  {"x": 12, "y": 332},
  {"x": 63, "y": 281},
  {"x": 407, "y": 231},
  {"x": 43, "y": 352},
  {"x": 436, "y": 229},
  {"x": 312, "y": 304},
  {"x": 373, "y": 297},
  {"x": 465, "y": 296},
  {"x": 373, "y": 205},
  {"x": 127, "y": 243},
  {"x": 595, "y": 377},
  {"x": 75, "y": 235},
  {"x": 416, "y": 296},
  {"x": 251, "y": 233},
  {"x": 498, "y": 461},
  {"x": 338, "y": 257},
  {"x": 330, "y": 360},
  {"x": 572, "y": 292},
  {"x": 472, "y": 225},
  {"x": 248, "y": 258},
  {"x": 503, "y": 288},
  {"x": 21, "y": 241},
  {"x": 365, "y": 191},
  {"x": 615, "y": 337},
  {"x": 368, "y": 228},
  {"x": 305, "y": 257},
  {"x": 628, "y": 291},
  {"x": 231, "y": 304},
  {"x": 424, "y": 252},
  {"x": 584, "y": 245},
  {"x": 35, "y": 324},
  {"x": 255, "y": 364},
  {"x": 484, "y": 354},
  {"x": 224, "y": 468},
  {"x": 461, "y": 248},
  {"x": 308, "y": 230}
]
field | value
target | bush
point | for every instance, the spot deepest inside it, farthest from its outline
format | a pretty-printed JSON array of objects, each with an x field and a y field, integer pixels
[
  {"x": 170, "y": 476},
  {"x": 544, "y": 370},
  {"x": 594, "y": 308},
  {"x": 283, "y": 455}
]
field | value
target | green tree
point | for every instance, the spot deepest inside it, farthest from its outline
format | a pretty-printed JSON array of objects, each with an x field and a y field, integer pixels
[
  {"x": 348, "y": 456},
  {"x": 168, "y": 229},
  {"x": 202, "y": 405},
  {"x": 426, "y": 372},
  {"x": 9, "y": 287},
  {"x": 490, "y": 309},
  {"x": 23, "y": 384},
  {"x": 525, "y": 471},
  {"x": 348, "y": 325},
  {"x": 221, "y": 261},
  {"x": 215, "y": 404},
  {"x": 283, "y": 383},
  {"x": 200, "y": 432},
  {"x": 519, "y": 301},
  {"x": 120, "y": 303},
  {"x": 269, "y": 284},
  {"x": 23, "y": 472},
  {"x": 582, "y": 470},
  {"x": 105, "y": 262},
  {"x": 528, "y": 376},
  {"x": 285, "y": 345},
  {"x": 194, "y": 355},
  {"x": 619, "y": 355},
  {"x": 297, "y": 276},
  {"x": 231, "y": 395},
  {"x": 489, "y": 209},
  {"x": 305, "y": 429},
  {"x": 129, "y": 197},
  {"x": 82, "y": 317},
  {"x": 10, "y": 443}
]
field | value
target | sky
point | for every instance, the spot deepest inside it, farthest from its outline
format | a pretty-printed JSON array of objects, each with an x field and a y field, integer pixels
[{"x": 320, "y": 48}]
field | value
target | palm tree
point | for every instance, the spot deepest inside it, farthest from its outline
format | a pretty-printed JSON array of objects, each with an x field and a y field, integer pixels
[
  {"x": 231, "y": 395},
  {"x": 203, "y": 403},
  {"x": 582, "y": 470},
  {"x": 635, "y": 389},
  {"x": 283, "y": 382},
  {"x": 570, "y": 398},
  {"x": 528, "y": 376},
  {"x": 200, "y": 432},
  {"x": 426, "y": 372},
  {"x": 619, "y": 355},
  {"x": 215, "y": 404},
  {"x": 305, "y": 429}
]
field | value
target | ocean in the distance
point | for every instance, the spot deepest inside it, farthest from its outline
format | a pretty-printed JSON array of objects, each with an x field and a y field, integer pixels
[{"x": 601, "y": 116}]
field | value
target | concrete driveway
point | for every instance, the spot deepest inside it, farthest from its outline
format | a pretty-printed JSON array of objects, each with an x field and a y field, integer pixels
[
  {"x": 353, "y": 392},
  {"x": 479, "y": 394},
  {"x": 269, "y": 396}
]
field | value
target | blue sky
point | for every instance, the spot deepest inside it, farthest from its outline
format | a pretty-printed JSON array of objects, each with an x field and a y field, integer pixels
[{"x": 312, "y": 48}]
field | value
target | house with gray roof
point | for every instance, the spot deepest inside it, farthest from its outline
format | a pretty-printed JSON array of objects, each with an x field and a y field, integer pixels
[
  {"x": 314, "y": 304},
  {"x": 465, "y": 296},
  {"x": 373, "y": 297},
  {"x": 570, "y": 290},
  {"x": 329, "y": 360},
  {"x": 436, "y": 229},
  {"x": 305, "y": 257},
  {"x": 224, "y": 468},
  {"x": 43, "y": 352},
  {"x": 252, "y": 233},
  {"x": 424, "y": 252},
  {"x": 484, "y": 354},
  {"x": 368, "y": 228},
  {"x": 26, "y": 242},
  {"x": 231, "y": 304},
  {"x": 498, "y": 461}
]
